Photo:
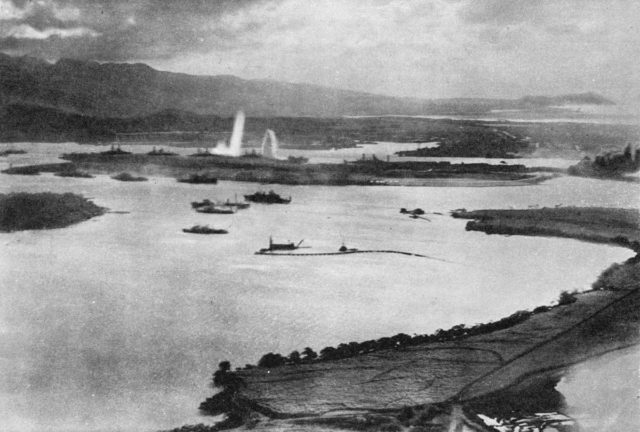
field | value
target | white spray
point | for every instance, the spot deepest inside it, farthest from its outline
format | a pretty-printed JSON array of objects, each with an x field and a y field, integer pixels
[
  {"x": 270, "y": 145},
  {"x": 234, "y": 148}
]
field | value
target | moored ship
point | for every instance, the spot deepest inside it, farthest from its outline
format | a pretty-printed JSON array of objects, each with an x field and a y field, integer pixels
[
  {"x": 204, "y": 229},
  {"x": 273, "y": 247},
  {"x": 267, "y": 198},
  {"x": 160, "y": 152},
  {"x": 213, "y": 209}
]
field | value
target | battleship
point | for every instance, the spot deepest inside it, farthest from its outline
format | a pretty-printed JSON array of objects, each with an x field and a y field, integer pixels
[
  {"x": 115, "y": 150},
  {"x": 161, "y": 152}
]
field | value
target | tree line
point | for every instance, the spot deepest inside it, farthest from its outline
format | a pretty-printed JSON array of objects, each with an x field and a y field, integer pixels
[{"x": 401, "y": 340}]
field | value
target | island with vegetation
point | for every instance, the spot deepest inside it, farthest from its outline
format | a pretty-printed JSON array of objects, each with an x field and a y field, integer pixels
[
  {"x": 210, "y": 168},
  {"x": 32, "y": 211},
  {"x": 506, "y": 370},
  {"x": 593, "y": 224},
  {"x": 128, "y": 177}
]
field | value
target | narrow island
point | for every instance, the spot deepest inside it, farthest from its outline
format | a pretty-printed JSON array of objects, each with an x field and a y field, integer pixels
[
  {"x": 456, "y": 378},
  {"x": 46, "y": 210},
  {"x": 9, "y": 152},
  {"x": 127, "y": 177},
  {"x": 363, "y": 172}
]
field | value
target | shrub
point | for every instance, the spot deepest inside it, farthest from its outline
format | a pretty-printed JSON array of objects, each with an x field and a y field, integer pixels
[{"x": 567, "y": 297}]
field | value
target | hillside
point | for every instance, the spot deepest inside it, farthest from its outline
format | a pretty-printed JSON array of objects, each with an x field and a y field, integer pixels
[{"x": 125, "y": 90}]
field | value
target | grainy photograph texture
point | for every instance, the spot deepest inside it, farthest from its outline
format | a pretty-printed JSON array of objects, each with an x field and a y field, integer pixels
[{"x": 331, "y": 215}]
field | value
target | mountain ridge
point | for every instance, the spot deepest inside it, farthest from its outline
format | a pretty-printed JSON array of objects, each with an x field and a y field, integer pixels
[{"x": 136, "y": 89}]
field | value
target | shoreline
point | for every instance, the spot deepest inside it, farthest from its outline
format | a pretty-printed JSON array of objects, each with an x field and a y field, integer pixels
[
  {"x": 372, "y": 172},
  {"x": 511, "y": 369},
  {"x": 592, "y": 224}
]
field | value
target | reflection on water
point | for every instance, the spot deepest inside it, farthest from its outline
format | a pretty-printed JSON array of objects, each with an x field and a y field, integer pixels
[{"x": 117, "y": 323}]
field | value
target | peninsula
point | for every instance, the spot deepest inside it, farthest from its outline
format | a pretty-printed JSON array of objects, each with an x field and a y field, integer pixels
[{"x": 505, "y": 370}]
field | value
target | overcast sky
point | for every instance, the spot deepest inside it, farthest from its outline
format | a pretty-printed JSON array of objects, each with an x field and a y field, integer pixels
[{"x": 423, "y": 48}]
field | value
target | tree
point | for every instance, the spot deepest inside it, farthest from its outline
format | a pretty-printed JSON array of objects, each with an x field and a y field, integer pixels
[
  {"x": 219, "y": 377},
  {"x": 294, "y": 357},
  {"x": 567, "y": 297},
  {"x": 309, "y": 354},
  {"x": 271, "y": 360}
]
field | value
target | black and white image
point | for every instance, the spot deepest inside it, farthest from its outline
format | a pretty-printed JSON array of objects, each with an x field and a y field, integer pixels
[{"x": 331, "y": 215}]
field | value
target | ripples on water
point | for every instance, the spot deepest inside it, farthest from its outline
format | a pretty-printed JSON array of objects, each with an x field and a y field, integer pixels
[{"x": 117, "y": 323}]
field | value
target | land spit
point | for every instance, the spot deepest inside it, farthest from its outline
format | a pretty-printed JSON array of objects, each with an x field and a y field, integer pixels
[
  {"x": 445, "y": 384},
  {"x": 264, "y": 170},
  {"x": 598, "y": 225}
]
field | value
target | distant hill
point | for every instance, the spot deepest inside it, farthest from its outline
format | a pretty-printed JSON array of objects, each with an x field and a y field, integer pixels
[
  {"x": 127, "y": 90},
  {"x": 570, "y": 99}
]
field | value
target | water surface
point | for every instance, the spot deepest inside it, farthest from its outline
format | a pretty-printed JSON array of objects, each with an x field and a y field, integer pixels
[{"x": 117, "y": 323}]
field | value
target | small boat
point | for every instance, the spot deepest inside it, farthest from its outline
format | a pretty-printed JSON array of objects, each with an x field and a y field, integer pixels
[
  {"x": 414, "y": 212},
  {"x": 267, "y": 198},
  {"x": 345, "y": 249},
  {"x": 203, "y": 203},
  {"x": 204, "y": 229},
  {"x": 213, "y": 209}
]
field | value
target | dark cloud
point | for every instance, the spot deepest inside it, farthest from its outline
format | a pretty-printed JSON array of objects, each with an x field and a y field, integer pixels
[{"x": 120, "y": 30}]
